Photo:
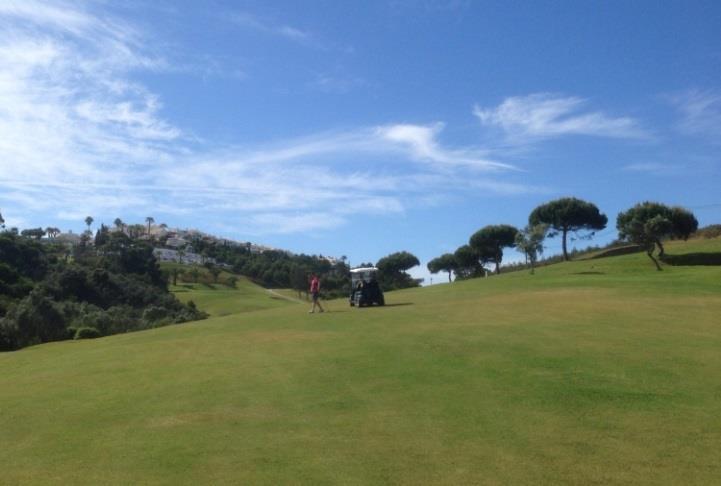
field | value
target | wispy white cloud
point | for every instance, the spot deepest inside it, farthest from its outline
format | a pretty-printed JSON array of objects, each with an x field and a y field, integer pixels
[
  {"x": 412, "y": 142},
  {"x": 654, "y": 168},
  {"x": 69, "y": 113},
  {"x": 402, "y": 165},
  {"x": 80, "y": 136},
  {"x": 539, "y": 116},
  {"x": 139, "y": 122},
  {"x": 495, "y": 187},
  {"x": 700, "y": 113},
  {"x": 253, "y": 22},
  {"x": 272, "y": 28},
  {"x": 63, "y": 97},
  {"x": 338, "y": 84},
  {"x": 421, "y": 141},
  {"x": 283, "y": 223}
]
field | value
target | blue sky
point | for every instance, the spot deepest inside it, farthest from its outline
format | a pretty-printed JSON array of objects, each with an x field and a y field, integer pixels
[{"x": 355, "y": 128}]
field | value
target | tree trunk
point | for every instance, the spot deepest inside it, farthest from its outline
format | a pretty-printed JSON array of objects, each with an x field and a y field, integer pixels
[
  {"x": 650, "y": 255},
  {"x": 661, "y": 251},
  {"x": 498, "y": 267},
  {"x": 449, "y": 276},
  {"x": 565, "y": 253}
]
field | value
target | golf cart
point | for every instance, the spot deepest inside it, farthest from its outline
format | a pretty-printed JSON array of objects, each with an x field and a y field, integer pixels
[{"x": 364, "y": 287}]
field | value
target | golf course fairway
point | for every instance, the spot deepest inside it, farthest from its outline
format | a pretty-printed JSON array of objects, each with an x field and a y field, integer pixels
[{"x": 599, "y": 371}]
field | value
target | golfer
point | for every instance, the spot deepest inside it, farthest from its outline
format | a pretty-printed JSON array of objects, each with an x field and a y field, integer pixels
[{"x": 314, "y": 292}]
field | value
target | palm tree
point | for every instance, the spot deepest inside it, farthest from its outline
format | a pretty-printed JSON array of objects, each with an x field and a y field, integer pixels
[
  {"x": 135, "y": 230},
  {"x": 118, "y": 224},
  {"x": 89, "y": 220},
  {"x": 150, "y": 220}
]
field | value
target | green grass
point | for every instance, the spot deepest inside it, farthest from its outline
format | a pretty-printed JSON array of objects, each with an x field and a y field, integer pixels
[
  {"x": 602, "y": 371},
  {"x": 217, "y": 297},
  {"x": 292, "y": 295},
  {"x": 222, "y": 300}
]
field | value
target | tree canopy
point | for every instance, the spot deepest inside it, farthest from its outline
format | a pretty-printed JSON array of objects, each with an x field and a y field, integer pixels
[
  {"x": 684, "y": 223},
  {"x": 568, "y": 214},
  {"x": 298, "y": 278},
  {"x": 397, "y": 262},
  {"x": 646, "y": 233},
  {"x": 35, "y": 233},
  {"x": 530, "y": 241},
  {"x": 489, "y": 242},
  {"x": 444, "y": 263},
  {"x": 648, "y": 223},
  {"x": 467, "y": 264},
  {"x": 392, "y": 270}
]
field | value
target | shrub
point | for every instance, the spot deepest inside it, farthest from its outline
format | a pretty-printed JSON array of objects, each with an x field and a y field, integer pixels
[
  {"x": 123, "y": 318},
  {"x": 154, "y": 313},
  {"x": 7, "y": 339},
  {"x": 711, "y": 231},
  {"x": 87, "y": 333},
  {"x": 35, "y": 319},
  {"x": 70, "y": 332}
]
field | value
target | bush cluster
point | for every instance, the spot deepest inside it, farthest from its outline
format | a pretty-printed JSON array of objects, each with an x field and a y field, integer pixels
[
  {"x": 276, "y": 269},
  {"x": 86, "y": 333},
  {"x": 710, "y": 231},
  {"x": 113, "y": 288}
]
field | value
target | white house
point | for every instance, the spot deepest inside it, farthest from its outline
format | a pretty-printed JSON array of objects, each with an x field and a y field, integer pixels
[
  {"x": 168, "y": 255},
  {"x": 176, "y": 242}
]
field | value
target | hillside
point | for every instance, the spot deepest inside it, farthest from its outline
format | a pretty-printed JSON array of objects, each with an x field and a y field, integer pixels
[
  {"x": 219, "y": 299},
  {"x": 596, "y": 371}
]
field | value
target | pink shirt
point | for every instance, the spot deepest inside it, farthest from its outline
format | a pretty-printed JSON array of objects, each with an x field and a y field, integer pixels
[{"x": 315, "y": 285}]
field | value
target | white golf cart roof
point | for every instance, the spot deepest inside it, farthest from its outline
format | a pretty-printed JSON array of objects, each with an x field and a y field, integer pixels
[{"x": 363, "y": 270}]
